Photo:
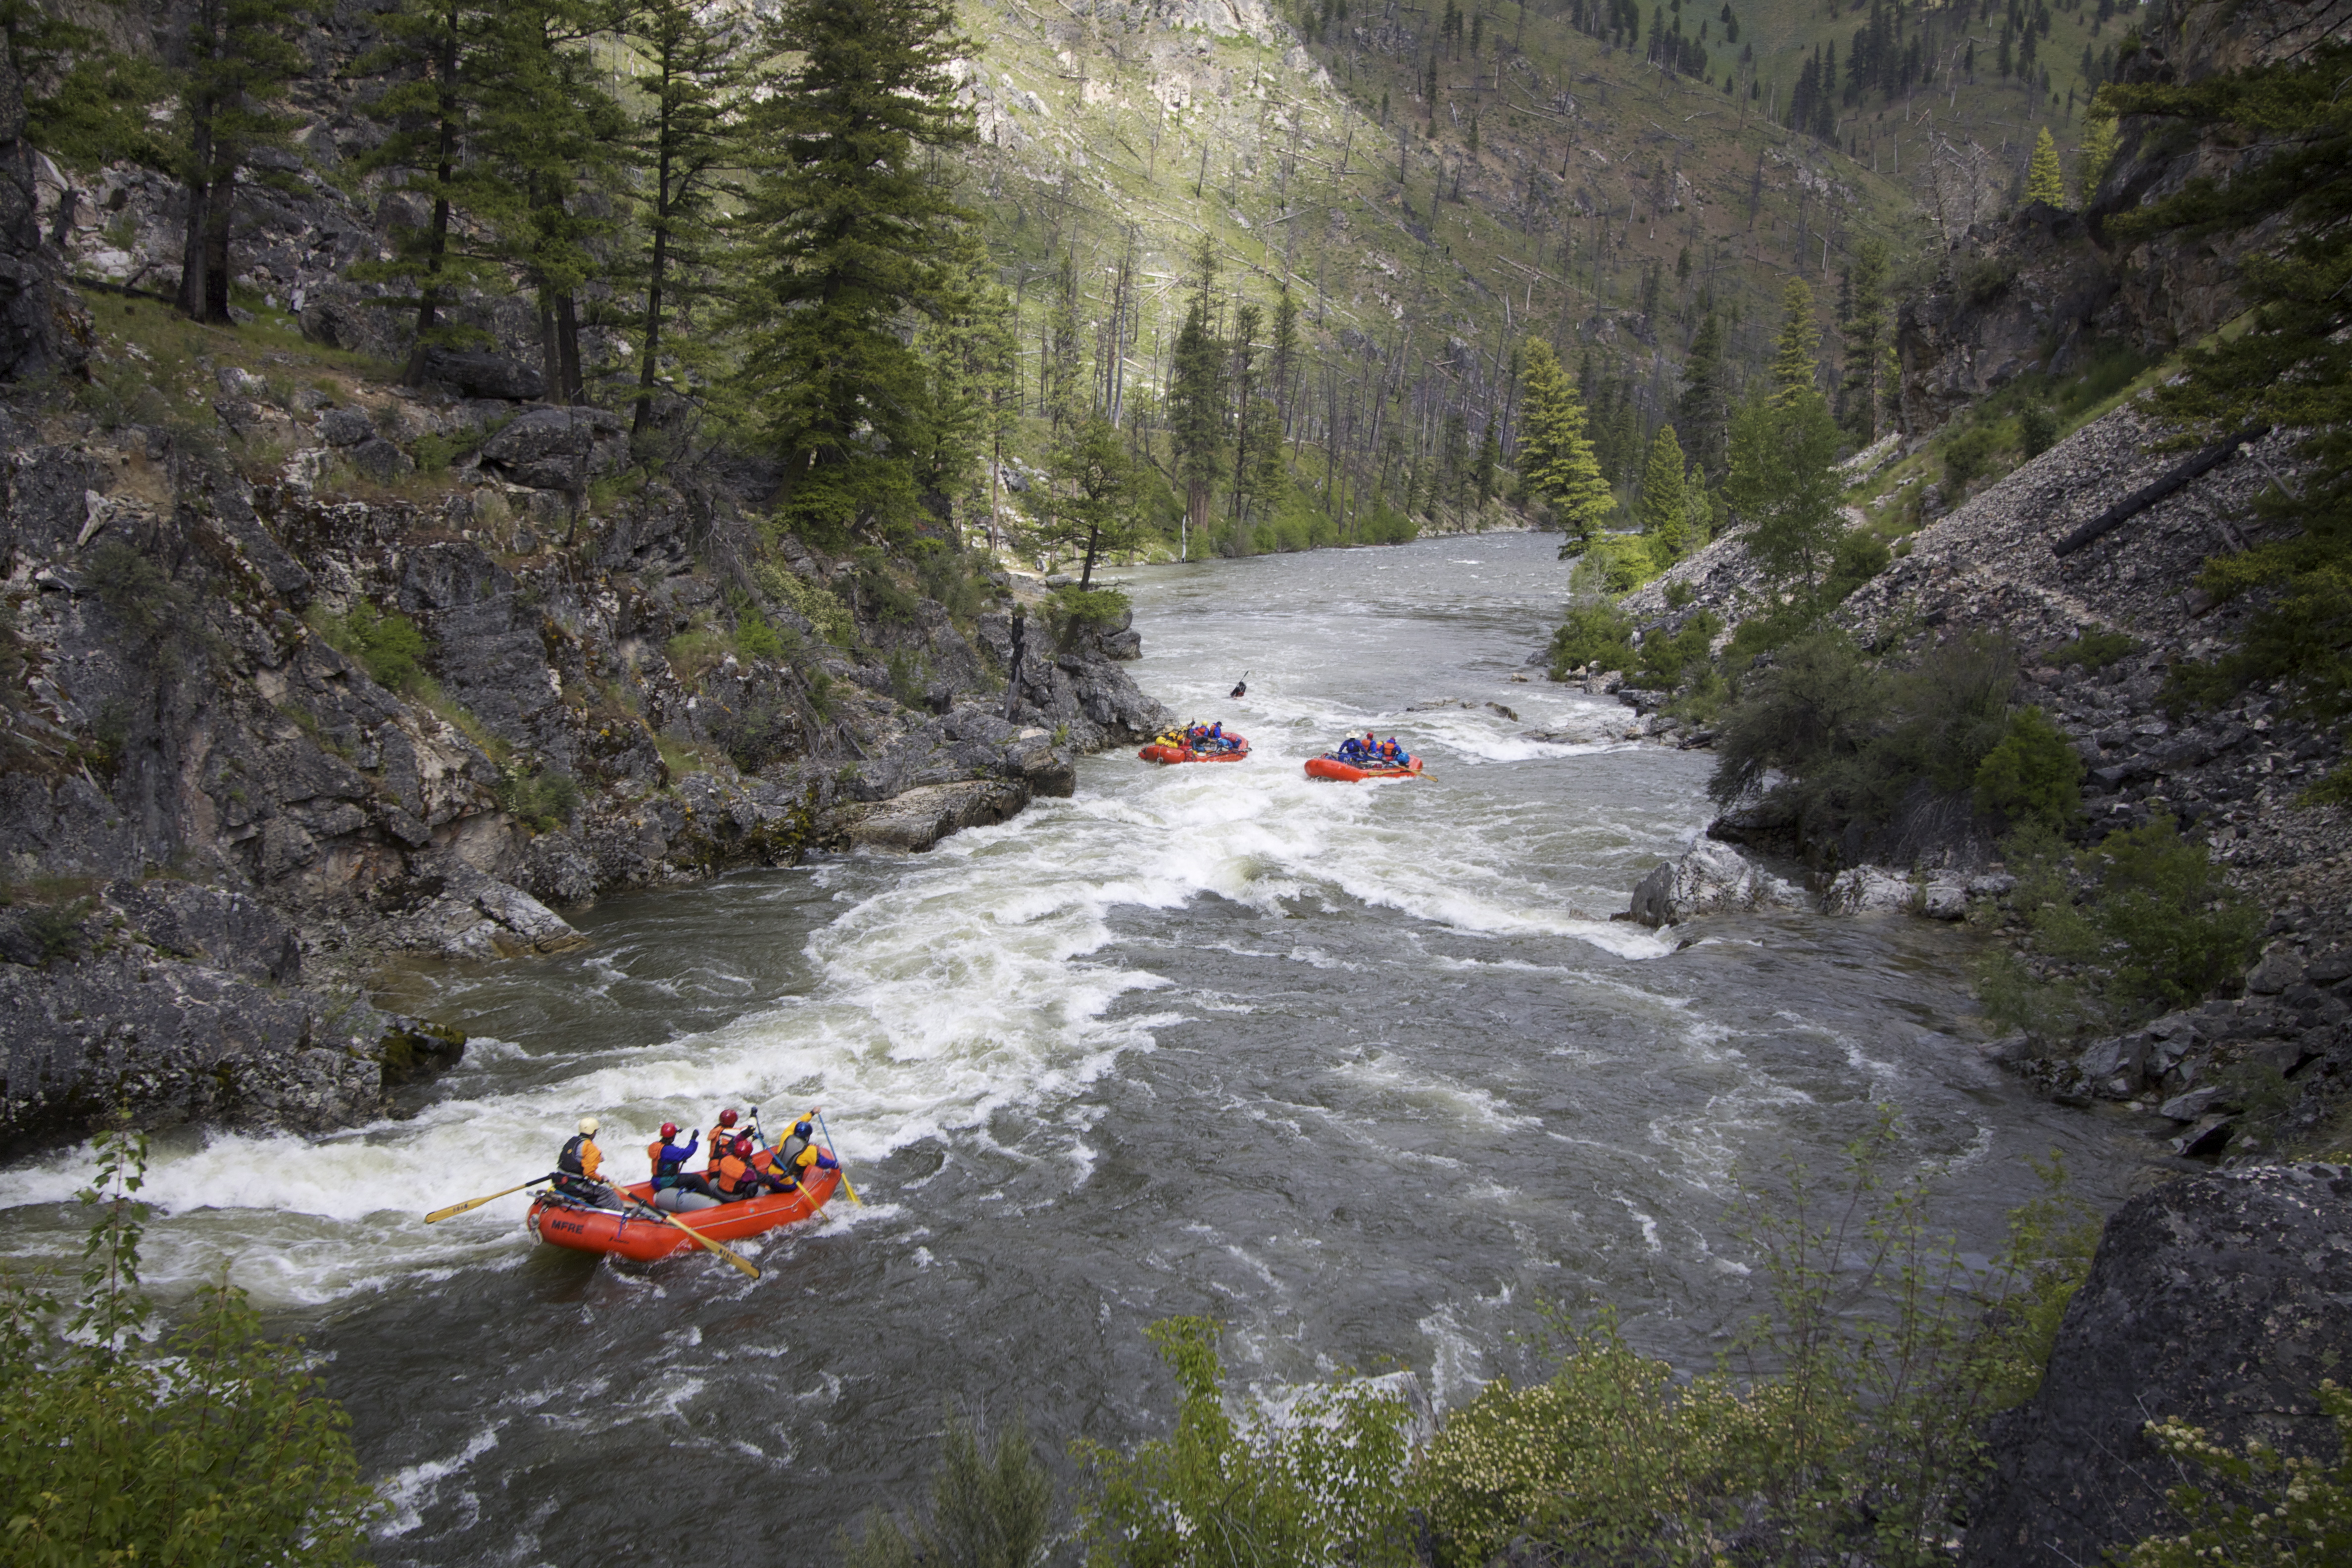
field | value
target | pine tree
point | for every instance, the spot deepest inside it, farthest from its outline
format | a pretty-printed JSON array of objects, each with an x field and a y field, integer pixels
[
  {"x": 559, "y": 137},
  {"x": 848, "y": 230},
  {"x": 1284, "y": 369},
  {"x": 2044, "y": 181},
  {"x": 1556, "y": 461},
  {"x": 1662, "y": 511},
  {"x": 1454, "y": 457},
  {"x": 1481, "y": 467},
  {"x": 1245, "y": 392},
  {"x": 1093, "y": 490},
  {"x": 682, "y": 139},
  {"x": 970, "y": 405},
  {"x": 1196, "y": 413},
  {"x": 442, "y": 55},
  {"x": 1783, "y": 483},
  {"x": 1793, "y": 365},
  {"x": 1705, "y": 408},
  {"x": 2091, "y": 158},
  {"x": 1868, "y": 340},
  {"x": 240, "y": 53},
  {"x": 1065, "y": 402}
]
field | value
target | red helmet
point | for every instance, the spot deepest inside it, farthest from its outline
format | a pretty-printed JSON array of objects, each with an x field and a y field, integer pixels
[
  {"x": 669, "y": 1129},
  {"x": 742, "y": 1147},
  {"x": 727, "y": 1118}
]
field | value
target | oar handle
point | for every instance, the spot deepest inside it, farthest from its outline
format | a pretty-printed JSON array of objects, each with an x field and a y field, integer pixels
[{"x": 472, "y": 1204}]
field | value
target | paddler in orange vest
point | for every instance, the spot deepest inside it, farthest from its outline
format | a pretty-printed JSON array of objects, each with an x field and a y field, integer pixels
[
  {"x": 669, "y": 1157},
  {"x": 738, "y": 1178},
  {"x": 579, "y": 1169},
  {"x": 722, "y": 1132}
]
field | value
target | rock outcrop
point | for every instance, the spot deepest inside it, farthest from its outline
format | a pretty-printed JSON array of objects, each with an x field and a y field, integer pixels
[
  {"x": 1707, "y": 879},
  {"x": 2220, "y": 1299},
  {"x": 38, "y": 327}
]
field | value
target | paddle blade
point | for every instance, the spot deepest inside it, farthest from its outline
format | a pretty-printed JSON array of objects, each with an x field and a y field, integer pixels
[{"x": 471, "y": 1203}]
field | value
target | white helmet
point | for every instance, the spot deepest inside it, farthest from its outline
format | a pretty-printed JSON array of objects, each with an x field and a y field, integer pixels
[{"x": 587, "y": 1127}]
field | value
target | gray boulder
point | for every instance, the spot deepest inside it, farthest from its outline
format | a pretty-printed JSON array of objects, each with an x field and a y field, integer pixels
[
  {"x": 1708, "y": 879},
  {"x": 345, "y": 427},
  {"x": 559, "y": 449},
  {"x": 921, "y": 817},
  {"x": 484, "y": 375},
  {"x": 2221, "y": 1299},
  {"x": 1871, "y": 890},
  {"x": 37, "y": 311}
]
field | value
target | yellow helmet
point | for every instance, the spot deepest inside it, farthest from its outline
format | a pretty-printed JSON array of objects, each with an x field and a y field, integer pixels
[{"x": 587, "y": 1127}]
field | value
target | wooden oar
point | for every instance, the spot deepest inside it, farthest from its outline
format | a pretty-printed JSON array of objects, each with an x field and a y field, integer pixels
[
  {"x": 838, "y": 1162},
  {"x": 741, "y": 1262},
  {"x": 478, "y": 1203}
]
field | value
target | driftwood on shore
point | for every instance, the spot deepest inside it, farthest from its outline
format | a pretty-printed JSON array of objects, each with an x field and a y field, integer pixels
[{"x": 2140, "y": 500}]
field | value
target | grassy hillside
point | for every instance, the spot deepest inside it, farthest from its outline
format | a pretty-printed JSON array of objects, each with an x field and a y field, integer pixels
[{"x": 1434, "y": 192}]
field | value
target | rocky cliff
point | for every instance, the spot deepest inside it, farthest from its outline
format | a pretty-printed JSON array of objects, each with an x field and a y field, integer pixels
[
  {"x": 579, "y": 691},
  {"x": 2223, "y": 1300}
]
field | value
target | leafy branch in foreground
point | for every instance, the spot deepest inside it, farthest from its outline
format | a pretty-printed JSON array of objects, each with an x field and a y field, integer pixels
[
  {"x": 2258, "y": 1509},
  {"x": 210, "y": 1445}
]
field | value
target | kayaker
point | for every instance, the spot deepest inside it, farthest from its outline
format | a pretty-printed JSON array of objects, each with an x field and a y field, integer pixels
[
  {"x": 669, "y": 1158},
  {"x": 579, "y": 1169}
]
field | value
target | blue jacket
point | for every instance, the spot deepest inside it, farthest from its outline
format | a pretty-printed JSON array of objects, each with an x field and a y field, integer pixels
[{"x": 672, "y": 1159}]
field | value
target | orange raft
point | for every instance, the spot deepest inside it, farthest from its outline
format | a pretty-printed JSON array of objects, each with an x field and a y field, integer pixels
[
  {"x": 635, "y": 1234},
  {"x": 1349, "y": 773},
  {"x": 1170, "y": 755}
]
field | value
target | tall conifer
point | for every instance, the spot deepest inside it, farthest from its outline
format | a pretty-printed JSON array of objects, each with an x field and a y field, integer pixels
[
  {"x": 1869, "y": 341},
  {"x": 1663, "y": 507},
  {"x": 1705, "y": 408},
  {"x": 2044, "y": 181},
  {"x": 1793, "y": 364},
  {"x": 847, "y": 230},
  {"x": 240, "y": 54},
  {"x": 1556, "y": 461}
]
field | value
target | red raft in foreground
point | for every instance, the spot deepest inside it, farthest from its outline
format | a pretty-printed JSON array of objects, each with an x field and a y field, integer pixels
[
  {"x": 1160, "y": 752},
  {"x": 638, "y": 1235},
  {"x": 1349, "y": 773}
]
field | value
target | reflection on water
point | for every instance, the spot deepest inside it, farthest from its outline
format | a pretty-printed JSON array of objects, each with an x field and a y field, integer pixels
[{"x": 1364, "y": 1070}]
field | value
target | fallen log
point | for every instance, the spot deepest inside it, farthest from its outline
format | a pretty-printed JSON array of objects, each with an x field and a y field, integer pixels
[{"x": 2140, "y": 500}]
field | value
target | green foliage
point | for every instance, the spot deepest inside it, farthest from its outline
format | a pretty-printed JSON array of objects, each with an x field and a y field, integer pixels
[
  {"x": 1969, "y": 455},
  {"x": 2143, "y": 918},
  {"x": 1784, "y": 483},
  {"x": 543, "y": 799},
  {"x": 2257, "y": 1508},
  {"x": 1871, "y": 379},
  {"x": 2292, "y": 369},
  {"x": 1556, "y": 461},
  {"x": 1071, "y": 607},
  {"x": 1090, "y": 502},
  {"x": 2044, "y": 182},
  {"x": 1853, "y": 1431},
  {"x": 55, "y": 929},
  {"x": 1794, "y": 355},
  {"x": 1625, "y": 560},
  {"x": 822, "y": 610},
  {"x": 1666, "y": 659},
  {"x": 848, "y": 233},
  {"x": 2334, "y": 789},
  {"x": 991, "y": 1508},
  {"x": 1386, "y": 525},
  {"x": 1679, "y": 595},
  {"x": 2034, "y": 774},
  {"x": 1594, "y": 635},
  {"x": 210, "y": 1445},
  {"x": 2037, "y": 428},
  {"x": 390, "y": 646},
  {"x": 905, "y": 679},
  {"x": 1860, "y": 556},
  {"x": 2095, "y": 649},
  {"x": 1322, "y": 1486},
  {"x": 140, "y": 594},
  {"x": 2097, "y": 153}
]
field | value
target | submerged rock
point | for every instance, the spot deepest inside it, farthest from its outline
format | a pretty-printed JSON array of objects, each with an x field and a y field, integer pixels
[{"x": 2220, "y": 1299}]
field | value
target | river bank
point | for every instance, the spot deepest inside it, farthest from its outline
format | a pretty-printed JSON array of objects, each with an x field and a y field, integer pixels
[{"x": 1365, "y": 1072}]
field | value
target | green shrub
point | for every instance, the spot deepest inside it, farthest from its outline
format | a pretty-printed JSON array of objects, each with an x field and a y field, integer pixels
[
  {"x": 906, "y": 680},
  {"x": 822, "y": 610},
  {"x": 2095, "y": 649},
  {"x": 140, "y": 594},
  {"x": 1387, "y": 525},
  {"x": 2034, "y": 774},
  {"x": 1861, "y": 555},
  {"x": 389, "y": 647},
  {"x": 1596, "y": 636},
  {"x": 544, "y": 800},
  {"x": 1322, "y": 1488},
  {"x": 1813, "y": 710},
  {"x": 1665, "y": 660},
  {"x": 755, "y": 637},
  {"x": 2259, "y": 1509},
  {"x": 1984, "y": 278},
  {"x": 1625, "y": 561},
  {"x": 55, "y": 929},
  {"x": 208, "y": 1444},
  {"x": 2037, "y": 428},
  {"x": 1071, "y": 606},
  {"x": 2145, "y": 917},
  {"x": 1680, "y": 594},
  {"x": 991, "y": 1508},
  {"x": 1968, "y": 456}
]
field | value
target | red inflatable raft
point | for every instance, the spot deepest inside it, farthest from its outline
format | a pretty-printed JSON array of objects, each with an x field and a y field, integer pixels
[
  {"x": 638, "y": 1235},
  {"x": 1156, "y": 753},
  {"x": 1349, "y": 773}
]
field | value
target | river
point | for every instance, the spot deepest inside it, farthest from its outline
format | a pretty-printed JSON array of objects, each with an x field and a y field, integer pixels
[{"x": 1364, "y": 1072}]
